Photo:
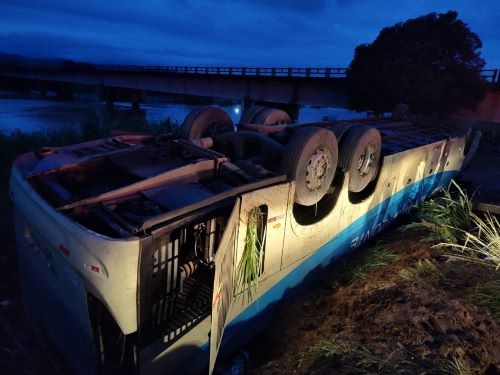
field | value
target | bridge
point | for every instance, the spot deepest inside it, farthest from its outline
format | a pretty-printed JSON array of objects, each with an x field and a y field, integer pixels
[{"x": 283, "y": 88}]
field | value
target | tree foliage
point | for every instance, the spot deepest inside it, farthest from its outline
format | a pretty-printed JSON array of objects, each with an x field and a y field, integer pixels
[{"x": 431, "y": 63}]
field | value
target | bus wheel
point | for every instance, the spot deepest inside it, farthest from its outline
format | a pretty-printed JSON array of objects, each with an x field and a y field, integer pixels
[
  {"x": 205, "y": 122},
  {"x": 272, "y": 116},
  {"x": 310, "y": 159},
  {"x": 360, "y": 156}
]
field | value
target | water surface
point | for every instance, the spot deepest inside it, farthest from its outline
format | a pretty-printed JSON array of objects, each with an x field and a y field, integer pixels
[{"x": 32, "y": 113}]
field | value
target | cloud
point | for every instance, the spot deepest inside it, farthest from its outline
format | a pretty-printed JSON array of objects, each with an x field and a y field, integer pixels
[
  {"x": 227, "y": 32},
  {"x": 300, "y": 6}
]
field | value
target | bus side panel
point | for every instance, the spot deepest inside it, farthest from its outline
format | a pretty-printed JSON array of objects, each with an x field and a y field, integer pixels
[{"x": 55, "y": 298}]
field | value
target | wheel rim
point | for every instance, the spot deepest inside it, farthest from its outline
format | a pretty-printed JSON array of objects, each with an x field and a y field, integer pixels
[
  {"x": 360, "y": 155},
  {"x": 317, "y": 167},
  {"x": 365, "y": 161}
]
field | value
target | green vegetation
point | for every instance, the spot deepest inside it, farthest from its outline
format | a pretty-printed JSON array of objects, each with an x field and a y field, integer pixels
[
  {"x": 449, "y": 214},
  {"x": 432, "y": 63},
  {"x": 360, "y": 359},
  {"x": 91, "y": 128},
  {"x": 373, "y": 258},
  {"x": 363, "y": 261},
  {"x": 471, "y": 237},
  {"x": 326, "y": 349},
  {"x": 487, "y": 295},
  {"x": 475, "y": 238},
  {"x": 249, "y": 266},
  {"x": 422, "y": 268},
  {"x": 482, "y": 244},
  {"x": 455, "y": 366},
  {"x": 322, "y": 353}
]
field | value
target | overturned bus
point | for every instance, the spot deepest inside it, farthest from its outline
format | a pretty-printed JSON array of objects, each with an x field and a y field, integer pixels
[{"x": 152, "y": 254}]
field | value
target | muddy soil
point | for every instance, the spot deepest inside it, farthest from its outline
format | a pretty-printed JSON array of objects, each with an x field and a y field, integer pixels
[{"x": 382, "y": 323}]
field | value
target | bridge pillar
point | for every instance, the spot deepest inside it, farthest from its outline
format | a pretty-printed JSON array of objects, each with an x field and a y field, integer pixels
[
  {"x": 64, "y": 91},
  {"x": 42, "y": 86},
  {"x": 135, "y": 99},
  {"x": 108, "y": 95},
  {"x": 136, "y": 105}
]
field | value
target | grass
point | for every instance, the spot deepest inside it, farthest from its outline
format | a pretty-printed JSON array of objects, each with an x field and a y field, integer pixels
[
  {"x": 475, "y": 238},
  {"x": 422, "y": 268},
  {"x": 455, "y": 366},
  {"x": 488, "y": 295},
  {"x": 360, "y": 359},
  {"x": 249, "y": 266},
  {"x": 361, "y": 262},
  {"x": 327, "y": 349},
  {"x": 374, "y": 257},
  {"x": 450, "y": 214},
  {"x": 482, "y": 244},
  {"x": 91, "y": 128},
  {"x": 321, "y": 353}
]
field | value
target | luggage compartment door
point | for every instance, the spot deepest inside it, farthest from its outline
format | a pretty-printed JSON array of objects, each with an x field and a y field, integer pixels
[{"x": 223, "y": 281}]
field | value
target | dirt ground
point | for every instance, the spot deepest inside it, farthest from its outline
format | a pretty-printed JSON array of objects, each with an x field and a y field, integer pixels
[
  {"x": 365, "y": 317},
  {"x": 384, "y": 322}
]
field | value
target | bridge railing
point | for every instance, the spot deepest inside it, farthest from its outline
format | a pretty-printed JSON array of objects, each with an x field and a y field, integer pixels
[
  {"x": 489, "y": 75},
  {"x": 235, "y": 71}
]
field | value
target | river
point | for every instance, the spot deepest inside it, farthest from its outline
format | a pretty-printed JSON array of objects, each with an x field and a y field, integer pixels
[{"x": 30, "y": 113}]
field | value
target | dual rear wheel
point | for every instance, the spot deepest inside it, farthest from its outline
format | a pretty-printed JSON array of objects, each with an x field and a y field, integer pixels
[{"x": 311, "y": 157}]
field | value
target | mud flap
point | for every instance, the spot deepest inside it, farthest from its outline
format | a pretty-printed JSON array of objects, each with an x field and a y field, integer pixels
[{"x": 223, "y": 282}]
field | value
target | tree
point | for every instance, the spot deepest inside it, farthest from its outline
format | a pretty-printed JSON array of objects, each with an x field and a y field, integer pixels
[{"x": 431, "y": 63}]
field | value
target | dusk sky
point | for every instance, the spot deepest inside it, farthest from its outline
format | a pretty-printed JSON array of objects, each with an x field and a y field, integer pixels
[{"x": 225, "y": 32}]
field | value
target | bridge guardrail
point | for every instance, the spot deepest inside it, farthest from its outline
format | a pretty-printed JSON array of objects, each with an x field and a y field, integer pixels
[
  {"x": 490, "y": 75},
  {"x": 235, "y": 71}
]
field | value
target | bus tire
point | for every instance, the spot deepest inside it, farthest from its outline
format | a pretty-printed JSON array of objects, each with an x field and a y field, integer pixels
[{"x": 310, "y": 159}]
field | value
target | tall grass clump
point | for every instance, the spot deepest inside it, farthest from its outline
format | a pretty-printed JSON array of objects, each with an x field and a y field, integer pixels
[
  {"x": 482, "y": 243},
  {"x": 250, "y": 264},
  {"x": 475, "y": 238},
  {"x": 449, "y": 215}
]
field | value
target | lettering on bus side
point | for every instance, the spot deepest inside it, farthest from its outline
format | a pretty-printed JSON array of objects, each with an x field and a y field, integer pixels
[{"x": 378, "y": 227}]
